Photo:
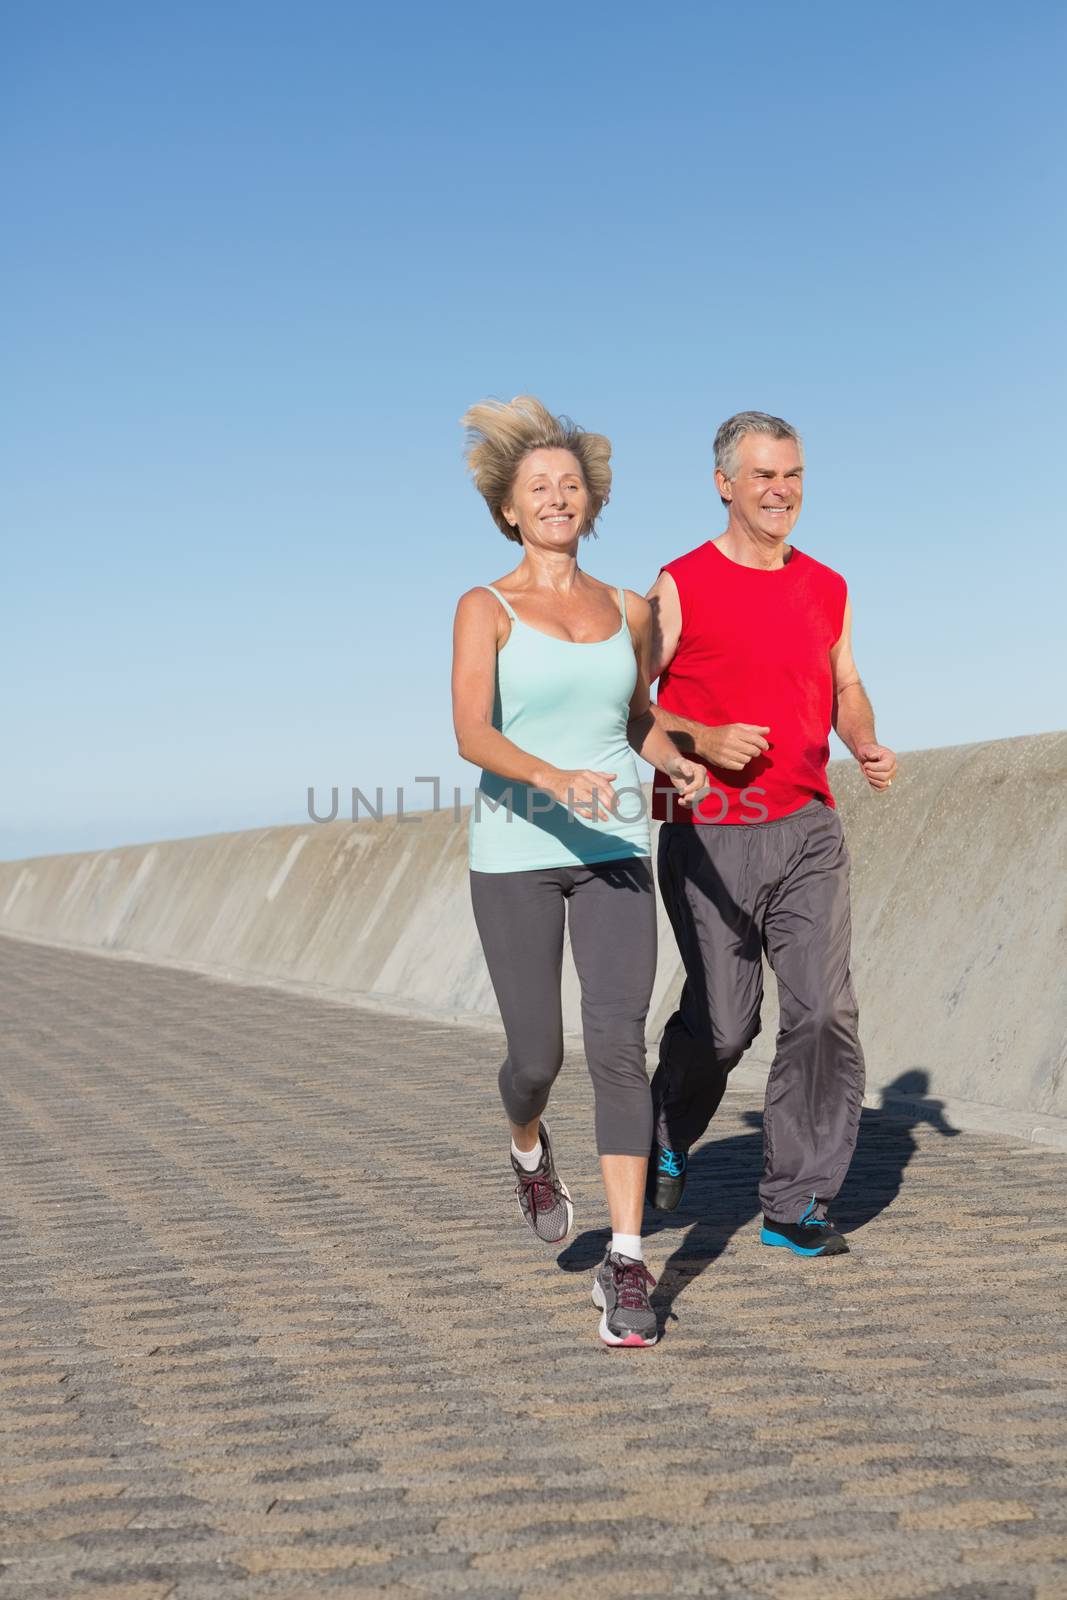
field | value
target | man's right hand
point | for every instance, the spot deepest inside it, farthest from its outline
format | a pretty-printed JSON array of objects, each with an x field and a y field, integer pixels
[{"x": 734, "y": 745}]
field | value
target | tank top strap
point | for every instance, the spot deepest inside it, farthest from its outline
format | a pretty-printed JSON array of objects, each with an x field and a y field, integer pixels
[
  {"x": 503, "y": 602},
  {"x": 622, "y": 604}
]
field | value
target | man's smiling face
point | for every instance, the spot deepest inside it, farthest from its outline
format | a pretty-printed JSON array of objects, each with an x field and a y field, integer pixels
[{"x": 767, "y": 488}]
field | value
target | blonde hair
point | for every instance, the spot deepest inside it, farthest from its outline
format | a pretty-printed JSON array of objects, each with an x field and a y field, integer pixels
[{"x": 501, "y": 434}]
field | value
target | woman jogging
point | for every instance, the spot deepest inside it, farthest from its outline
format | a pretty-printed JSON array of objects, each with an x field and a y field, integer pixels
[{"x": 550, "y": 696}]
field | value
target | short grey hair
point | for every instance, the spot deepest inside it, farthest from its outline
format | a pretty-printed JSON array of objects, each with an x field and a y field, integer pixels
[{"x": 734, "y": 429}]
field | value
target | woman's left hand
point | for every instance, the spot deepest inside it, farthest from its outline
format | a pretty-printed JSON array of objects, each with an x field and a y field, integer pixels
[{"x": 690, "y": 779}]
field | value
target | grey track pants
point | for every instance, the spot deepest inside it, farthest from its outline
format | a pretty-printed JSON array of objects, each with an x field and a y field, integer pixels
[
  {"x": 733, "y": 892},
  {"x": 611, "y": 912}
]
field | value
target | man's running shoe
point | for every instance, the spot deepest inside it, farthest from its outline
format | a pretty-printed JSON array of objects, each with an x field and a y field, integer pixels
[
  {"x": 544, "y": 1200},
  {"x": 666, "y": 1177},
  {"x": 620, "y": 1291},
  {"x": 811, "y": 1236}
]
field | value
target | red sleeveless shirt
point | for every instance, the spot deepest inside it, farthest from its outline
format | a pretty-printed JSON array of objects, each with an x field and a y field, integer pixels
[{"x": 755, "y": 647}]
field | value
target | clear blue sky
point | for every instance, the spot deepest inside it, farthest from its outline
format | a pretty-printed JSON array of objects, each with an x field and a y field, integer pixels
[{"x": 259, "y": 258}]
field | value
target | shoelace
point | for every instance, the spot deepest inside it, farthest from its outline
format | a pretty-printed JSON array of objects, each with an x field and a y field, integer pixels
[
  {"x": 809, "y": 1220},
  {"x": 671, "y": 1163},
  {"x": 540, "y": 1190},
  {"x": 632, "y": 1283}
]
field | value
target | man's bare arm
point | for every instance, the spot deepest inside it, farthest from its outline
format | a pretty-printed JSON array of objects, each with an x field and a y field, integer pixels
[
  {"x": 666, "y": 623},
  {"x": 731, "y": 747},
  {"x": 853, "y": 715}
]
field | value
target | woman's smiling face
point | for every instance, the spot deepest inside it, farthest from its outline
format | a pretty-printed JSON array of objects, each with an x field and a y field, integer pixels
[{"x": 549, "y": 502}]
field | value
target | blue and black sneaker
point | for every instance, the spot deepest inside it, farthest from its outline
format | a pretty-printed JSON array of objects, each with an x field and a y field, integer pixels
[
  {"x": 666, "y": 1177},
  {"x": 811, "y": 1236}
]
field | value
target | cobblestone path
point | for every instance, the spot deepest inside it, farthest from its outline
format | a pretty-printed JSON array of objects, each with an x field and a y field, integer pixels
[{"x": 271, "y": 1326}]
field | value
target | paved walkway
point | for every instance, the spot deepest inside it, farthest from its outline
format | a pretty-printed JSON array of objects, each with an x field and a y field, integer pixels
[{"x": 271, "y": 1327}]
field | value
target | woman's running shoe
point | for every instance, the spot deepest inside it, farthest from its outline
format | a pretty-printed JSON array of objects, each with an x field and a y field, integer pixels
[
  {"x": 544, "y": 1199},
  {"x": 620, "y": 1291},
  {"x": 666, "y": 1177}
]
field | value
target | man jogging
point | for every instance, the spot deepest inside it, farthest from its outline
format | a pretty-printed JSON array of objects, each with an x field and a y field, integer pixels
[{"x": 752, "y": 647}]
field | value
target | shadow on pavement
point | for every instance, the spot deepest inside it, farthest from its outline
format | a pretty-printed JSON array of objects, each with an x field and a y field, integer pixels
[{"x": 721, "y": 1189}]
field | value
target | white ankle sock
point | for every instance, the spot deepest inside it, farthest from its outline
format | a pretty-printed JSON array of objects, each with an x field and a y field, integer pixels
[
  {"x": 529, "y": 1160},
  {"x": 627, "y": 1244}
]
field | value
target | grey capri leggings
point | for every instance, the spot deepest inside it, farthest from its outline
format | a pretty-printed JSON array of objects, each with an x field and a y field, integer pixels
[{"x": 612, "y": 921}]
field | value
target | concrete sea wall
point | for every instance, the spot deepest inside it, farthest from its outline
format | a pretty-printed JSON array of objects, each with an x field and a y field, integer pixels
[{"x": 958, "y": 884}]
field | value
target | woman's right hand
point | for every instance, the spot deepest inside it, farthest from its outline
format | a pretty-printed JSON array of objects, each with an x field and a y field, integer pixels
[{"x": 587, "y": 793}]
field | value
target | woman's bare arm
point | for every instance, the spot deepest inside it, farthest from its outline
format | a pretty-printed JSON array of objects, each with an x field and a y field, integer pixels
[{"x": 480, "y": 627}]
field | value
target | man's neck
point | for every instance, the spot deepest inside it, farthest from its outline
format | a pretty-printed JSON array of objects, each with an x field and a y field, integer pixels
[{"x": 750, "y": 550}]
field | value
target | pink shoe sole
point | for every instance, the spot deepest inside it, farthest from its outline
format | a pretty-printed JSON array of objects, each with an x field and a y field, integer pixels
[{"x": 633, "y": 1341}]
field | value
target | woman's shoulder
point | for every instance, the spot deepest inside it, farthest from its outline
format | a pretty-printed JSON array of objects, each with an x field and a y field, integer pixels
[
  {"x": 480, "y": 614},
  {"x": 638, "y": 610},
  {"x": 480, "y": 598}
]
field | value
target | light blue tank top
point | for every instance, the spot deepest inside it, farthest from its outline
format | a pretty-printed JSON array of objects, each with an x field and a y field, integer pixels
[{"x": 568, "y": 704}]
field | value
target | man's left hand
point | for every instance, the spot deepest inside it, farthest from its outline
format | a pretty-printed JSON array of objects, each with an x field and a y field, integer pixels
[{"x": 879, "y": 764}]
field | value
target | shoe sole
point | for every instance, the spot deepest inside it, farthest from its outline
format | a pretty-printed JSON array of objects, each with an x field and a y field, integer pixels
[
  {"x": 767, "y": 1237},
  {"x": 565, "y": 1192},
  {"x": 632, "y": 1341}
]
